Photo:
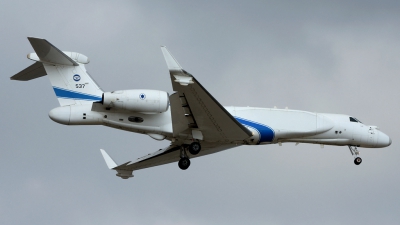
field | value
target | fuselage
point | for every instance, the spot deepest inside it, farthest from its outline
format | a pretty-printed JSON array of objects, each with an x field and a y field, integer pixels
[
  {"x": 194, "y": 122},
  {"x": 268, "y": 125}
]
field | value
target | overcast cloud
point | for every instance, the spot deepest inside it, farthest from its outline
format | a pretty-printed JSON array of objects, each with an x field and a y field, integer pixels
[{"x": 320, "y": 56}]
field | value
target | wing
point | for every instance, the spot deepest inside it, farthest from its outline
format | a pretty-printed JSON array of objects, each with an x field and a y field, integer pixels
[
  {"x": 193, "y": 109},
  {"x": 169, "y": 154},
  {"x": 206, "y": 117}
]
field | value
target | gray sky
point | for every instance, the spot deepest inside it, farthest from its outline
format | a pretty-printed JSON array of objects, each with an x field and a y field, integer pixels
[{"x": 322, "y": 56}]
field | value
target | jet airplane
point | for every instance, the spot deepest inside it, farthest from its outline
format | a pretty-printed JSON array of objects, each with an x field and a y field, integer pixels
[{"x": 194, "y": 122}]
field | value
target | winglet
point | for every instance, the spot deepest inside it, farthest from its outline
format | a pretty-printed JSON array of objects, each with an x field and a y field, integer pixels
[
  {"x": 181, "y": 76},
  {"x": 109, "y": 161},
  {"x": 121, "y": 172},
  {"x": 172, "y": 64}
]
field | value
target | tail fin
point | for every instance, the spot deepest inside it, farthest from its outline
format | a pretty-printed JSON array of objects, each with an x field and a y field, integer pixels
[{"x": 66, "y": 71}]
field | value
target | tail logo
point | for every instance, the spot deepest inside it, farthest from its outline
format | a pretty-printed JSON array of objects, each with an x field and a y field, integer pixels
[{"x": 77, "y": 77}]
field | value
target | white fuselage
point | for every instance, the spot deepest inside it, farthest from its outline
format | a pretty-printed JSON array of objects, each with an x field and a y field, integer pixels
[
  {"x": 193, "y": 121},
  {"x": 268, "y": 125}
]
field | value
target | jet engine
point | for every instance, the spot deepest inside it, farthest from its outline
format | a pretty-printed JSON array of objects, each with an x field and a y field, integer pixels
[{"x": 138, "y": 100}]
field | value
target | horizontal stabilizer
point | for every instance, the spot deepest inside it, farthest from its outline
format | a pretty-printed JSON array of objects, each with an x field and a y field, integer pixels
[
  {"x": 33, "y": 71},
  {"x": 48, "y": 53}
]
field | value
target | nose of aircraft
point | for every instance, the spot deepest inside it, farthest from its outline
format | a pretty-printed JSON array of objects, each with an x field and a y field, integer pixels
[{"x": 383, "y": 140}]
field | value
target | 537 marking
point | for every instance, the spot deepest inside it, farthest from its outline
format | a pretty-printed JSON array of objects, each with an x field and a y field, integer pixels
[{"x": 79, "y": 85}]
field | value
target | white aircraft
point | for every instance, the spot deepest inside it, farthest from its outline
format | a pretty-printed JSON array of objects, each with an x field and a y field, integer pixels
[{"x": 191, "y": 118}]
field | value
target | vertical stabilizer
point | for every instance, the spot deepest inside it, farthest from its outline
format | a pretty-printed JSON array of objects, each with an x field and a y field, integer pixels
[
  {"x": 72, "y": 84},
  {"x": 66, "y": 71}
]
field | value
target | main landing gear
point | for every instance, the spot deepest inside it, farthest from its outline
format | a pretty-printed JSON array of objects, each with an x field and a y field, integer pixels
[
  {"x": 194, "y": 149},
  {"x": 355, "y": 153},
  {"x": 184, "y": 162}
]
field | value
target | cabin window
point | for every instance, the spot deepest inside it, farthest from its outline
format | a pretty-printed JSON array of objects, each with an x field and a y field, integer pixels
[{"x": 135, "y": 119}]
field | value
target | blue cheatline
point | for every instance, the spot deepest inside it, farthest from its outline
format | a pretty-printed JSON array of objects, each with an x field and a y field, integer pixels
[
  {"x": 266, "y": 133},
  {"x": 64, "y": 93}
]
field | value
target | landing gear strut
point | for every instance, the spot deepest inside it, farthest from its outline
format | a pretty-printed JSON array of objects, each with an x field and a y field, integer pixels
[
  {"x": 184, "y": 162},
  {"x": 355, "y": 153}
]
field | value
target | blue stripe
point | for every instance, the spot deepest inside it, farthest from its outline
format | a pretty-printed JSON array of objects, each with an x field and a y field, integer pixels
[
  {"x": 64, "y": 93},
  {"x": 266, "y": 133}
]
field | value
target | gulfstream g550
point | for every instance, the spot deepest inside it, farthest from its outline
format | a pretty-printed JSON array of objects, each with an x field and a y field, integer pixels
[{"x": 193, "y": 121}]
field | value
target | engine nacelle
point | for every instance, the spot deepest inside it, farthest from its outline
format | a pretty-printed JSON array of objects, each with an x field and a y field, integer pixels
[{"x": 138, "y": 100}]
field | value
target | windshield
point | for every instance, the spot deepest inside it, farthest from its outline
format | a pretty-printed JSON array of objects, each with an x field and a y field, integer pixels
[{"x": 353, "y": 119}]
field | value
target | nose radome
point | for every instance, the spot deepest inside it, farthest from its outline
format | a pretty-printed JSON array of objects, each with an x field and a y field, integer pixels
[{"x": 383, "y": 140}]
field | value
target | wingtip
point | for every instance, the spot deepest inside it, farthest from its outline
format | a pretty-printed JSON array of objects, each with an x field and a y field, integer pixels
[
  {"x": 172, "y": 63},
  {"x": 109, "y": 161},
  {"x": 30, "y": 37}
]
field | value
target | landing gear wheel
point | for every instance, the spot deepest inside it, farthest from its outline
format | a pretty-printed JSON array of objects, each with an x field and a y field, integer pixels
[
  {"x": 184, "y": 163},
  {"x": 194, "y": 148},
  {"x": 357, "y": 161}
]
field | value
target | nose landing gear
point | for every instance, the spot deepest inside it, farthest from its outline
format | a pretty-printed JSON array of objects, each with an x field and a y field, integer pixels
[
  {"x": 357, "y": 161},
  {"x": 355, "y": 153}
]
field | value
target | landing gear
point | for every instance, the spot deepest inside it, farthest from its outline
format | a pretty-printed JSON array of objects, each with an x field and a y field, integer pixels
[
  {"x": 184, "y": 163},
  {"x": 194, "y": 148},
  {"x": 357, "y": 161},
  {"x": 355, "y": 153}
]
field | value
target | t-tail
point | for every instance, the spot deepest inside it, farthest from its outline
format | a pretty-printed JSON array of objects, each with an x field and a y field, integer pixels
[{"x": 66, "y": 71}]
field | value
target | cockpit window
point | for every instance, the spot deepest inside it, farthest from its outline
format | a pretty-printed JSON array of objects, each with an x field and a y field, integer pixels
[{"x": 352, "y": 119}]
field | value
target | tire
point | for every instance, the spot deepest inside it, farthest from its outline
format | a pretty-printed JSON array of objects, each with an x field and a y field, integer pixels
[
  {"x": 194, "y": 148},
  {"x": 184, "y": 163},
  {"x": 357, "y": 161}
]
